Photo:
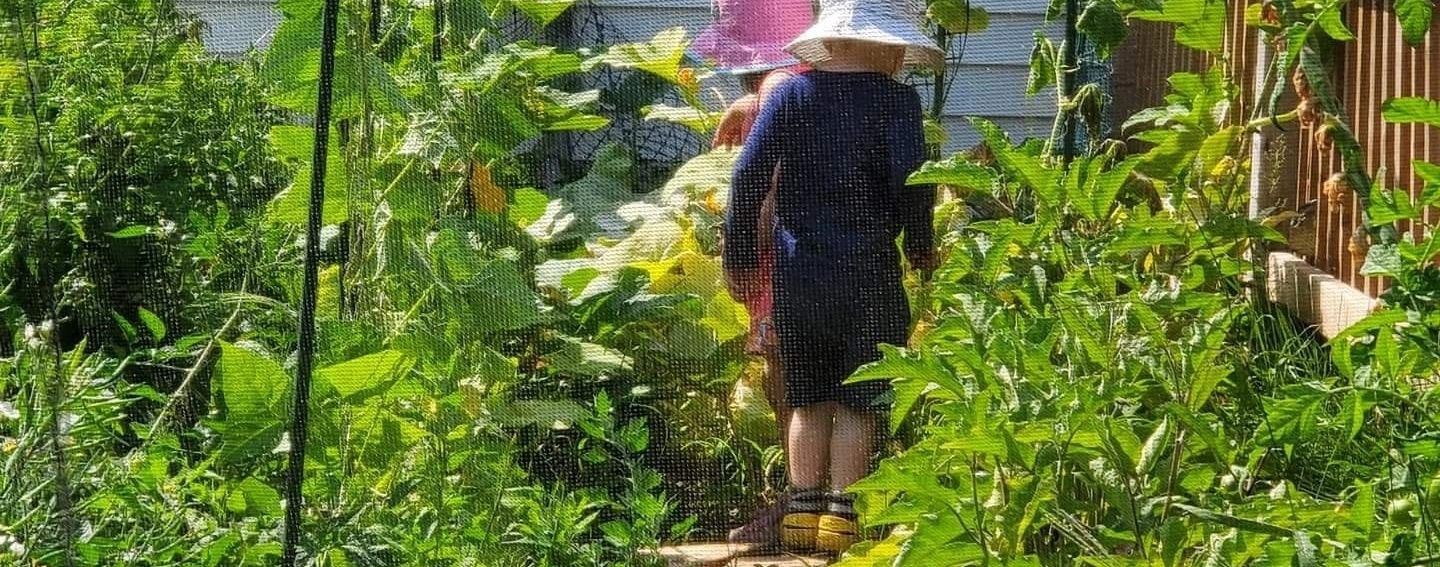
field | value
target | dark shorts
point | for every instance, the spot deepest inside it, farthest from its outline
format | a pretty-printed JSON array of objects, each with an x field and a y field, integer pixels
[{"x": 830, "y": 326}]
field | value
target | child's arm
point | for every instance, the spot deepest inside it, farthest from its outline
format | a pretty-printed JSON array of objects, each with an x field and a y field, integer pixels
[
  {"x": 751, "y": 181},
  {"x": 915, "y": 205},
  {"x": 735, "y": 124}
]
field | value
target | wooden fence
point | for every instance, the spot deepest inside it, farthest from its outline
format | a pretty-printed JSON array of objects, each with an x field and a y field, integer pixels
[{"x": 1376, "y": 66}]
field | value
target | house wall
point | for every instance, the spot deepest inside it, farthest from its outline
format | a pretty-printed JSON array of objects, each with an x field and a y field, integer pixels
[
  {"x": 989, "y": 75},
  {"x": 234, "y": 27}
]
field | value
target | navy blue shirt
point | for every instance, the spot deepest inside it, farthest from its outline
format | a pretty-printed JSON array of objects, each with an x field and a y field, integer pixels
[{"x": 845, "y": 144}]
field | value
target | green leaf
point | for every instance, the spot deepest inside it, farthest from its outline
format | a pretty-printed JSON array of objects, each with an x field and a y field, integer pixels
[
  {"x": 153, "y": 324},
  {"x": 251, "y": 390},
  {"x": 1341, "y": 345},
  {"x": 1353, "y": 410},
  {"x": 1412, "y": 110},
  {"x": 252, "y": 385},
  {"x": 502, "y": 300},
  {"x": 578, "y": 358},
  {"x": 292, "y": 205},
  {"x": 1362, "y": 510},
  {"x": 1429, "y": 173},
  {"x": 542, "y": 11},
  {"x": 566, "y": 111},
  {"x": 914, "y": 373},
  {"x": 1217, "y": 146},
  {"x": 661, "y": 56},
  {"x": 358, "y": 378},
  {"x": 725, "y": 318},
  {"x": 1292, "y": 416},
  {"x": 1042, "y": 65},
  {"x": 250, "y": 497},
  {"x": 903, "y": 364},
  {"x": 1388, "y": 207},
  {"x": 687, "y": 116},
  {"x": 1414, "y": 16},
  {"x": 126, "y": 328},
  {"x": 958, "y": 16},
  {"x": 543, "y": 413},
  {"x": 1201, "y": 22},
  {"x": 131, "y": 231},
  {"x": 955, "y": 172},
  {"x": 1102, "y": 22},
  {"x": 1096, "y": 202},
  {"x": 1383, "y": 260},
  {"x": 1204, "y": 382},
  {"x": 1155, "y": 444},
  {"x": 529, "y": 205},
  {"x": 1237, "y": 522},
  {"x": 1330, "y": 21},
  {"x": 1029, "y": 169}
]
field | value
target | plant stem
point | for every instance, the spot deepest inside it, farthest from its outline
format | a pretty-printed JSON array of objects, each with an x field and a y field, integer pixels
[
  {"x": 201, "y": 362},
  {"x": 1072, "y": 66}
]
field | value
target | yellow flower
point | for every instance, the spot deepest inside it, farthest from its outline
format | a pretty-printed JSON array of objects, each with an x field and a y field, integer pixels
[
  {"x": 712, "y": 204},
  {"x": 686, "y": 79},
  {"x": 1224, "y": 168}
]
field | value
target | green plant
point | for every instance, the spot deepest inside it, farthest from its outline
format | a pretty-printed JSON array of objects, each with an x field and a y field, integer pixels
[{"x": 1095, "y": 383}]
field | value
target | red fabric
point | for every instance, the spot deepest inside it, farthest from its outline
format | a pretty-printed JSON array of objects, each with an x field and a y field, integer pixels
[{"x": 759, "y": 306}]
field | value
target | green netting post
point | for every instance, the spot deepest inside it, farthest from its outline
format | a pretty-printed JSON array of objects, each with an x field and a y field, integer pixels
[{"x": 300, "y": 404}]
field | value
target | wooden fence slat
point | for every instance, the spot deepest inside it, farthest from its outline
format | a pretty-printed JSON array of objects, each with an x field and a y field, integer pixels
[{"x": 1376, "y": 66}]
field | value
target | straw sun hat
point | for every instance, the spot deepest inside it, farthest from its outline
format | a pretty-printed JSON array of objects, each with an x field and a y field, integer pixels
[{"x": 890, "y": 22}]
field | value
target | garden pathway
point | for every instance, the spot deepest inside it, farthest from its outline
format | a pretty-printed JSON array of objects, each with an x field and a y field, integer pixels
[{"x": 726, "y": 555}]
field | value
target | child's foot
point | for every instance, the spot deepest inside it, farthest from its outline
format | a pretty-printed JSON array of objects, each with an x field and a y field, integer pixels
[
  {"x": 802, "y": 516},
  {"x": 763, "y": 531},
  {"x": 837, "y": 529}
]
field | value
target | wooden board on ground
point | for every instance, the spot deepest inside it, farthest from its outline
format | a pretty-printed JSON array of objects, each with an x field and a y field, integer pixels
[{"x": 727, "y": 555}]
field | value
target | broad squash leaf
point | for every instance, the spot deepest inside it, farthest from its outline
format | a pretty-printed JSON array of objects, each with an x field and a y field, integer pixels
[
  {"x": 955, "y": 172},
  {"x": 661, "y": 56},
  {"x": 1201, "y": 22}
]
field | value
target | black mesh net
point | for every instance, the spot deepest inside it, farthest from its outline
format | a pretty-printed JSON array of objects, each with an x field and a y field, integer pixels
[{"x": 622, "y": 282}]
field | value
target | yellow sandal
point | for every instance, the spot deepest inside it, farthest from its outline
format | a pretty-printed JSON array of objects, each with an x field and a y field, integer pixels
[
  {"x": 799, "y": 528},
  {"x": 837, "y": 529}
]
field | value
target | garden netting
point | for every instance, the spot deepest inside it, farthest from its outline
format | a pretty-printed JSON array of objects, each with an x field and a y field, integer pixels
[{"x": 484, "y": 319}]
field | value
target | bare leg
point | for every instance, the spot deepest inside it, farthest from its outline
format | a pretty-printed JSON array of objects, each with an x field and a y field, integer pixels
[
  {"x": 775, "y": 394},
  {"x": 811, "y": 428},
  {"x": 851, "y": 444}
]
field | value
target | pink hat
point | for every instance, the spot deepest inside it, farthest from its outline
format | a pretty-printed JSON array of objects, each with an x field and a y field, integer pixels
[{"x": 749, "y": 36}]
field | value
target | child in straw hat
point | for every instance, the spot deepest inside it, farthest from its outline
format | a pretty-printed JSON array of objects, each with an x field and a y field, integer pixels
[
  {"x": 748, "y": 40},
  {"x": 845, "y": 137}
]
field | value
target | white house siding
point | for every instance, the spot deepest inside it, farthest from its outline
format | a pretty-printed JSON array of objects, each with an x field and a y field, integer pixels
[
  {"x": 989, "y": 78},
  {"x": 234, "y": 27}
]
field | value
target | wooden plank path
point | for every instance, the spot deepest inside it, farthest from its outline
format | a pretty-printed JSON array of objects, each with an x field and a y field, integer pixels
[{"x": 728, "y": 555}]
